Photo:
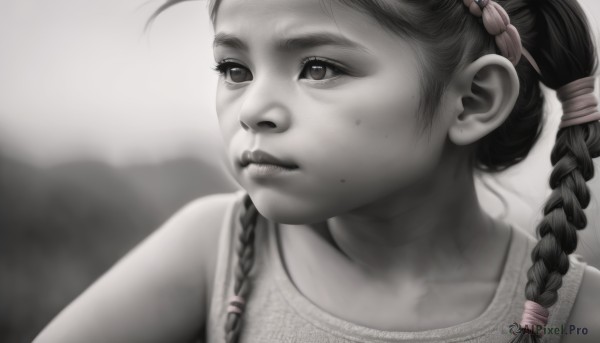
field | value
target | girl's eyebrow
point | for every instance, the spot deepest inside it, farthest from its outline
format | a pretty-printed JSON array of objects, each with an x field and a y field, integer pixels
[{"x": 301, "y": 42}]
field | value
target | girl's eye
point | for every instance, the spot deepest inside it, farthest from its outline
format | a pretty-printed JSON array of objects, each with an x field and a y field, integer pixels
[
  {"x": 233, "y": 72},
  {"x": 316, "y": 69},
  {"x": 313, "y": 69}
]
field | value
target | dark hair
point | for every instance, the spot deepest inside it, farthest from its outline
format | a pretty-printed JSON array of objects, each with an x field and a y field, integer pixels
[{"x": 557, "y": 35}]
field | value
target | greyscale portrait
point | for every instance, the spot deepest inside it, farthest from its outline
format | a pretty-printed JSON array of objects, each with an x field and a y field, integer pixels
[{"x": 272, "y": 171}]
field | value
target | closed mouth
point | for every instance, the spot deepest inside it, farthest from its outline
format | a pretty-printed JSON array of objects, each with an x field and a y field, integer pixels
[{"x": 260, "y": 157}]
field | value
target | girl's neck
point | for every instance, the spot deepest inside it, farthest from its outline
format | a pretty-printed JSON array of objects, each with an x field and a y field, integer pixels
[
  {"x": 408, "y": 261},
  {"x": 419, "y": 232}
]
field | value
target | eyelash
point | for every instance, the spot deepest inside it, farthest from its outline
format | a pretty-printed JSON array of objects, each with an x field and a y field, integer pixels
[
  {"x": 224, "y": 65},
  {"x": 336, "y": 68}
]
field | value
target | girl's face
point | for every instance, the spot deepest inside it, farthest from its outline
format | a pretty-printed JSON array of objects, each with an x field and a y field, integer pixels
[{"x": 324, "y": 88}]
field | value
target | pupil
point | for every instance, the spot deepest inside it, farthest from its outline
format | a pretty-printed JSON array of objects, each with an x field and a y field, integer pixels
[
  {"x": 238, "y": 74},
  {"x": 317, "y": 72}
]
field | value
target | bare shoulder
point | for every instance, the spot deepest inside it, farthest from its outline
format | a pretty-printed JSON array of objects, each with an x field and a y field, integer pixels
[
  {"x": 585, "y": 313},
  {"x": 159, "y": 291},
  {"x": 200, "y": 223}
]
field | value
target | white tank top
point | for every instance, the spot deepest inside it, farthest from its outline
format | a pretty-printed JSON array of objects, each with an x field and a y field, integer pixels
[{"x": 277, "y": 312}]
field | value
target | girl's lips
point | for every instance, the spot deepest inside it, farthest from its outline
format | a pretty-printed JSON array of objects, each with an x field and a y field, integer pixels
[
  {"x": 262, "y": 170},
  {"x": 264, "y": 160}
]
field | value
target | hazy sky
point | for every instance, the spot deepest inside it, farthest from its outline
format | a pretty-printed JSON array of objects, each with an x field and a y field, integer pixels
[{"x": 79, "y": 77}]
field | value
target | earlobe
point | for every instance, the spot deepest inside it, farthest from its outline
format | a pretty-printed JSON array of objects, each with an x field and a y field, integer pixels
[{"x": 486, "y": 92}]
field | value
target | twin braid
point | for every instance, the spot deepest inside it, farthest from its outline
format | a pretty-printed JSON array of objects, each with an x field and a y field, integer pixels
[
  {"x": 245, "y": 261},
  {"x": 563, "y": 215}
]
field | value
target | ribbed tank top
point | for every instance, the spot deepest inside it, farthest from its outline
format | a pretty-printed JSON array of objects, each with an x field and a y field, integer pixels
[{"x": 276, "y": 311}]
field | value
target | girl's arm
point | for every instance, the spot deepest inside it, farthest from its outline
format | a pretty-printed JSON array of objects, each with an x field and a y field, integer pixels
[{"x": 158, "y": 292}]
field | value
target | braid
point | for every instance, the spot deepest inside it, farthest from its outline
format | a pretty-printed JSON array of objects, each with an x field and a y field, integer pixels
[
  {"x": 566, "y": 53},
  {"x": 563, "y": 214},
  {"x": 245, "y": 256}
]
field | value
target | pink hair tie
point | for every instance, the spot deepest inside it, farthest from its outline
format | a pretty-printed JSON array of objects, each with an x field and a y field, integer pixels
[
  {"x": 580, "y": 104},
  {"x": 534, "y": 316},
  {"x": 497, "y": 23},
  {"x": 236, "y": 304}
]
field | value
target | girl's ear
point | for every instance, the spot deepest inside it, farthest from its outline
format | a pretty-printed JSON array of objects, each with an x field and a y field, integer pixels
[{"x": 485, "y": 93}]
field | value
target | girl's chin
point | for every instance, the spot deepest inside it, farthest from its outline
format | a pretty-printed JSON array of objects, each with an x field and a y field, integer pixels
[
  {"x": 293, "y": 206},
  {"x": 291, "y": 211}
]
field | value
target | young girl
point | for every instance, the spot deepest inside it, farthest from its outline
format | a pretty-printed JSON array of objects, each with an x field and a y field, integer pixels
[{"x": 354, "y": 128}]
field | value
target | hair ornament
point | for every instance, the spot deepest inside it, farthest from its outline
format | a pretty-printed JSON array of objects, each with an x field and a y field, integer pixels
[
  {"x": 579, "y": 102},
  {"x": 534, "y": 316},
  {"x": 236, "y": 304},
  {"x": 497, "y": 23}
]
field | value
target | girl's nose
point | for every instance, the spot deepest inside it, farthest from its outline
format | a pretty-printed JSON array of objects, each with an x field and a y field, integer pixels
[{"x": 264, "y": 109}]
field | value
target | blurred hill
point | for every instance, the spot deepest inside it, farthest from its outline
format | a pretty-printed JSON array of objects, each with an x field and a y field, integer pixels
[
  {"x": 172, "y": 184},
  {"x": 62, "y": 227}
]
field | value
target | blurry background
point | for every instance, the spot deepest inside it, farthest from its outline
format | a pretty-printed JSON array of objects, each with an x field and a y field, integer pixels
[{"x": 105, "y": 131}]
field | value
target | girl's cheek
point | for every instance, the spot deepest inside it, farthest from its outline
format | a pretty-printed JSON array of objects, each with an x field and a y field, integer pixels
[
  {"x": 378, "y": 114},
  {"x": 387, "y": 132},
  {"x": 227, "y": 106}
]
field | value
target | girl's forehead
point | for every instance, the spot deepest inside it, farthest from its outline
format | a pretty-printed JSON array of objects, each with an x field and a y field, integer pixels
[
  {"x": 282, "y": 13},
  {"x": 248, "y": 22},
  {"x": 256, "y": 7}
]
